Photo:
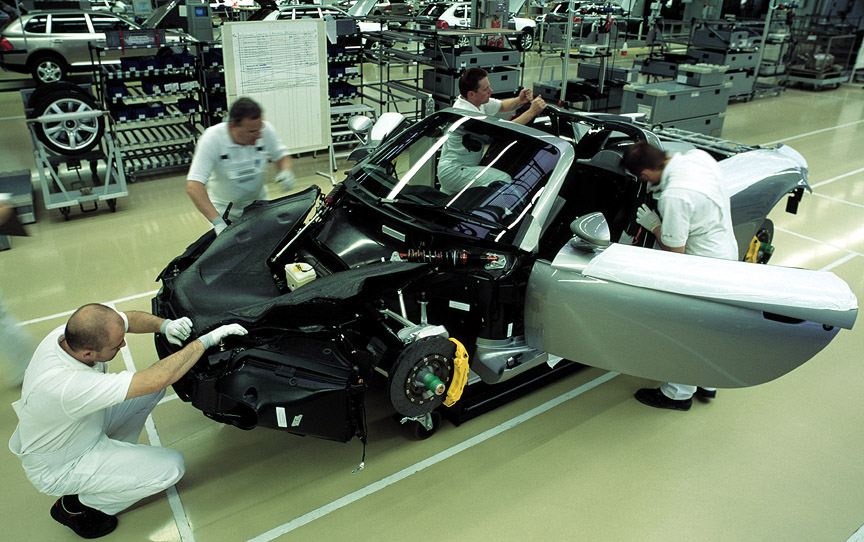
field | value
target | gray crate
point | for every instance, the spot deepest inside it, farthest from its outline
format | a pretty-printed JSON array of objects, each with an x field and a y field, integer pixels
[
  {"x": 734, "y": 61},
  {"x": 473, "y": 57},
  {"x": 742, "y": 83},
  {"x": 591, "y": 70},
  {"x": 503, "y": 80},
  {"x": 711, "y": 125},
  {"x": 726, "y": 38},
  {"x": 668, "y": 100},
  {"x": 700, "y": 75}
]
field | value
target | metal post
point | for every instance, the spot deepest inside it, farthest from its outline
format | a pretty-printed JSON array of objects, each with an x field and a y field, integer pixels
[
  {"x": 772, "y": 5},
  {"x": 568, "y": 42}
]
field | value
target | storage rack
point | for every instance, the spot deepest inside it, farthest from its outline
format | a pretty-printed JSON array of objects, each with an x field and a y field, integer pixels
[
  {"x": 154, "y": 102},
  {"x": 211, "y": 74},
  {"x": 730, "y": 44},
  {"x": 823, "y": 52},
  {"x": 345, "y": 83},
  {"x": 436, "y": 86}
]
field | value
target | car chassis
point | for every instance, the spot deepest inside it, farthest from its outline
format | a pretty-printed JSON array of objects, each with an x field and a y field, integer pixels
[{"x": 440, "y": 298}]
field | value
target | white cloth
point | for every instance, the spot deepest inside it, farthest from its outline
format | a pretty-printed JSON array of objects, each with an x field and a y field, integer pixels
[
  {"x": 696, "y": 214},
  {"x": 232, "y": 172},
  {"x": 694, "y": 205},
  {"x": 17, "y": 348},
  {"x": 77, "y": 434},
  {"x": 458, "y": 166}
]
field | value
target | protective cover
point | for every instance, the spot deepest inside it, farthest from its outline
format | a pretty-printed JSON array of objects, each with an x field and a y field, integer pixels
[{"x": 816, "y": 296}]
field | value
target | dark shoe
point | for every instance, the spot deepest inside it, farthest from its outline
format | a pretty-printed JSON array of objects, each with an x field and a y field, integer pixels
[
  {"x": 655, "y": 398},
  {"x": 702, "y": 393},
  {"x": 90, "y": 523}
]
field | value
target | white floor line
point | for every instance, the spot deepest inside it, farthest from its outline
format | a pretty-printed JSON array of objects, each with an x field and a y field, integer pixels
[
  {"x": 837, "y": 178},
  {"x": 818, "y": 241},
  {"x": 857, "y": 536},
  {"x": 428, "y": 462},
  {"x": 180, "y": 518},
  {"x": 69, "y": 313},
  {"x": 838, "y": 200},
  {"x": 811, "y": 133},
  {"x": 828, "y": 267}
]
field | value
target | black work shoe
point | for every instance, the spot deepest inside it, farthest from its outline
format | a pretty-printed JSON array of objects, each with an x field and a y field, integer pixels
[
  {"x": 702, "y": 393},
  {"x": 655, "y": 398},
  {"x": 90, "y": 523}
]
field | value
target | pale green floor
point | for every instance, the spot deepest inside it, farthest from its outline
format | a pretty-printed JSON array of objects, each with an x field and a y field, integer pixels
[{"x": 778, "y": 462}]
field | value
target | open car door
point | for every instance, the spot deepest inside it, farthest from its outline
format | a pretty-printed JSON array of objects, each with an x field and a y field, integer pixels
[{"x": 681, "y": 318}]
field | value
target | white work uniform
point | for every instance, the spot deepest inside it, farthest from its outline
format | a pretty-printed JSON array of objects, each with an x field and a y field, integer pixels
[
  {"x": 694, "y": 204},
  {"x": 232, "y": 172},
  {"x": 17, "y": 347},
  {"x": 457, "y": 168},
  {"x": 77, "y": 434}
]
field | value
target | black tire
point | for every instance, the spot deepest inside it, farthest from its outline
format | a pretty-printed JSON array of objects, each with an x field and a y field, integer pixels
[
  {"x": 49, "y": 88},
  {"x": 70, "y": 137},
  {"x": 421, "y": 433},
  {"x": 407, "y": 396},
  {"x": 525, "y": 41},
  {"x": 48, "y": 68}
]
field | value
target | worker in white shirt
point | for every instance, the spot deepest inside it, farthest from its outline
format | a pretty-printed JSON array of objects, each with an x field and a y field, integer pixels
[
  {"x": 230, "y": 164},
  {"x": 78, "y": 424},
  {"x": 459, "y": 166},
  {"x": 694, "y": 204}
]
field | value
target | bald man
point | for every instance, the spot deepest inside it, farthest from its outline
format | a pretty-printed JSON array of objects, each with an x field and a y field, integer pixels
[{"x": 78, "y": 424}]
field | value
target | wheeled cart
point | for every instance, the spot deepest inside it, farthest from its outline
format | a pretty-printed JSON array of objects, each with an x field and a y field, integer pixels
[{"x": 75, "y": 164}]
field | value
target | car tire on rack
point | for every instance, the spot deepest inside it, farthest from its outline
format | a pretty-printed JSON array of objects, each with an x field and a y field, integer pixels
[
  {"x": 68, "y": 137},
  {"x": 41, "y": 91},
  {"x": 48, "y": 68},
  {"x": 525, "y": 41}
]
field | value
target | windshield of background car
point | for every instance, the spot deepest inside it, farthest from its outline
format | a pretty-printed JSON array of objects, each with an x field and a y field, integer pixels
[
  {"x": 460, "y": 174},
  {"x": 434, "y": 10}
]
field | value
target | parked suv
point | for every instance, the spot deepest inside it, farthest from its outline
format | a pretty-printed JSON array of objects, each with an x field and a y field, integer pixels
[
  {"x": 48, "y": 45},
  {"x": 448, "y": 15}
]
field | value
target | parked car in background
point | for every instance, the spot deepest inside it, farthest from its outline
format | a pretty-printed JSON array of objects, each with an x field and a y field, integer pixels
[
  {"x": 448, "y": 16},
  {"x": 382, "y": 7},
  {"x": 50, "y": 44}
]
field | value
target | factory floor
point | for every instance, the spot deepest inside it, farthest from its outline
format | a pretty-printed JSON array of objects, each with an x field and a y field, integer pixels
[{"x": 579, "y": 459}]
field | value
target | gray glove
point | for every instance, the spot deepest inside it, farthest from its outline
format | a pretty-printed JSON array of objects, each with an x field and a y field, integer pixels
[
  {"x": 286, "y": 179},
  {"x": 219, "y": 224},
  {"x": 647, "y": 218},
  {"x": 215, "y": 337},
  {"x": 176, "y": 331}
]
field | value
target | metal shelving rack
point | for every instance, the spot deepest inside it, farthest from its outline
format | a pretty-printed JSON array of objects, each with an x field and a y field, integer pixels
[{"x": 154, "y": 103}]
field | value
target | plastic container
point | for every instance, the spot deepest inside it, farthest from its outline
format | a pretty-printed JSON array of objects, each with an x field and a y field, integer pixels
[{"x": 297, "y": 274}]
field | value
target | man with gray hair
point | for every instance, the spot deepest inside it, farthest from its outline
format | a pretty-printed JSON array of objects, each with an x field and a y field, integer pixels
[
  {"x": 230, "y": 164},
  {"x": 78, "y": 424}
]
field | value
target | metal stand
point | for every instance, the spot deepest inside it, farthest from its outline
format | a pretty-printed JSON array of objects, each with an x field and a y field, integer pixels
[{"x": 63, "y": 173}]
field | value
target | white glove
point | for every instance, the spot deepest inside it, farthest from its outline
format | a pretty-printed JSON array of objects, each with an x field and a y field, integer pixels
[
  {"x": 219, "y": 224},
  {"x": 647, "y": 218},
  {"x": 286, "y": 179},
  {"x": 215, "y": 337},
  {"x": 176, "y": 331}
]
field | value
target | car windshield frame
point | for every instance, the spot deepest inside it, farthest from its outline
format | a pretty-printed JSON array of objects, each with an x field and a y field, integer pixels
[{"x": 490, "y": 201}]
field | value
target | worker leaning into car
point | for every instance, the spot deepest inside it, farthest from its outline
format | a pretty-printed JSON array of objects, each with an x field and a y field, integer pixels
[
  {"x": 458, "y": 166},
  {"x": 697, "y": 220},
  {"x": 230, "y": 164},
  {"x": 78, "y": 425}
]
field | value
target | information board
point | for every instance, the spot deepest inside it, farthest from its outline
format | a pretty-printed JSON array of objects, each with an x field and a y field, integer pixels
[{"x": 283, "y": 66}]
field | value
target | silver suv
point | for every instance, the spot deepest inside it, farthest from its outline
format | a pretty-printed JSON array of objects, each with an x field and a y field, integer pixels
[{"x": 50, "y": 44}]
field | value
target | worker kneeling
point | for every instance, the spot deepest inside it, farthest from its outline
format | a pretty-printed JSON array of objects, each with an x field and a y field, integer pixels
[{"x": 78, "y": 424}]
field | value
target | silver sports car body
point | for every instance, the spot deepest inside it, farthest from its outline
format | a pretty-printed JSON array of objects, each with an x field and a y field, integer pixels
[{"x": 457, "y": 290}]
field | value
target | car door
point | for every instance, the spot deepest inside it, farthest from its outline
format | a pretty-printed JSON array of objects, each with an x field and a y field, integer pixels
[
  {"x": 682, "y": 318},
  {"x": 70, "y": 35}
]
